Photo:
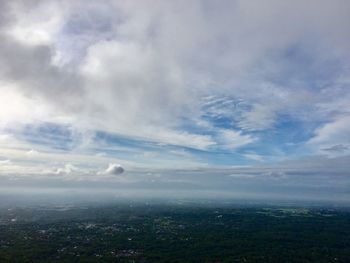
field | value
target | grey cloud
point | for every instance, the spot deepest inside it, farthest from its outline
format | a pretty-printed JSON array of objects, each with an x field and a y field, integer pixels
[
  {"x": 113, "y": 169},
  {"x": 336, "y": 148},
  {"x": 31, "y": 69},
  {"x": 5, "y": 15},
  {"x": 143, "y": 74}
]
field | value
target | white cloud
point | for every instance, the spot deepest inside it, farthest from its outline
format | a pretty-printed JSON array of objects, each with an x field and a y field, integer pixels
[
  {"x": 67, "y": 170},
  {"x": 260, "y": 117},
  {"x": 146, "y": 96},
  {"x": 16, "y": 108},
  {"x": 5, "y": 162},
  {"x": 32, "y": 153},
  {"x": 254, "y": 156},
  {"x": 332, "y": 134},
  {"x": 113, "y": 169},
  {"x": 36, "y": 22},
  {"x": 234, "y": 139},
  {"x": 142, "y": 76}
]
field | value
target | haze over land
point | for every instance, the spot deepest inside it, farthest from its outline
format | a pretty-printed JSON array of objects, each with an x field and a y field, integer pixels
[{"x": 200, "y": 99}]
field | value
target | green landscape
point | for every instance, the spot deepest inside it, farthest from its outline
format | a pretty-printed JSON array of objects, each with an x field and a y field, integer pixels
[{"x": 138, "y": 232}]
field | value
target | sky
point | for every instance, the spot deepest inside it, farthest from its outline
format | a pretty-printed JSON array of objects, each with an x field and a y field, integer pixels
[{"x": 224, "y": 98}]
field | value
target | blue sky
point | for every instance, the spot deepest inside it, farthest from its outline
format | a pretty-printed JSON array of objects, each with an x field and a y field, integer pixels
[{"x": 221, "y": 96}]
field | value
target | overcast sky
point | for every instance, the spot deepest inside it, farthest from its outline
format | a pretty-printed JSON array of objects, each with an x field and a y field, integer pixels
[{"x": 235, "y": 97}]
